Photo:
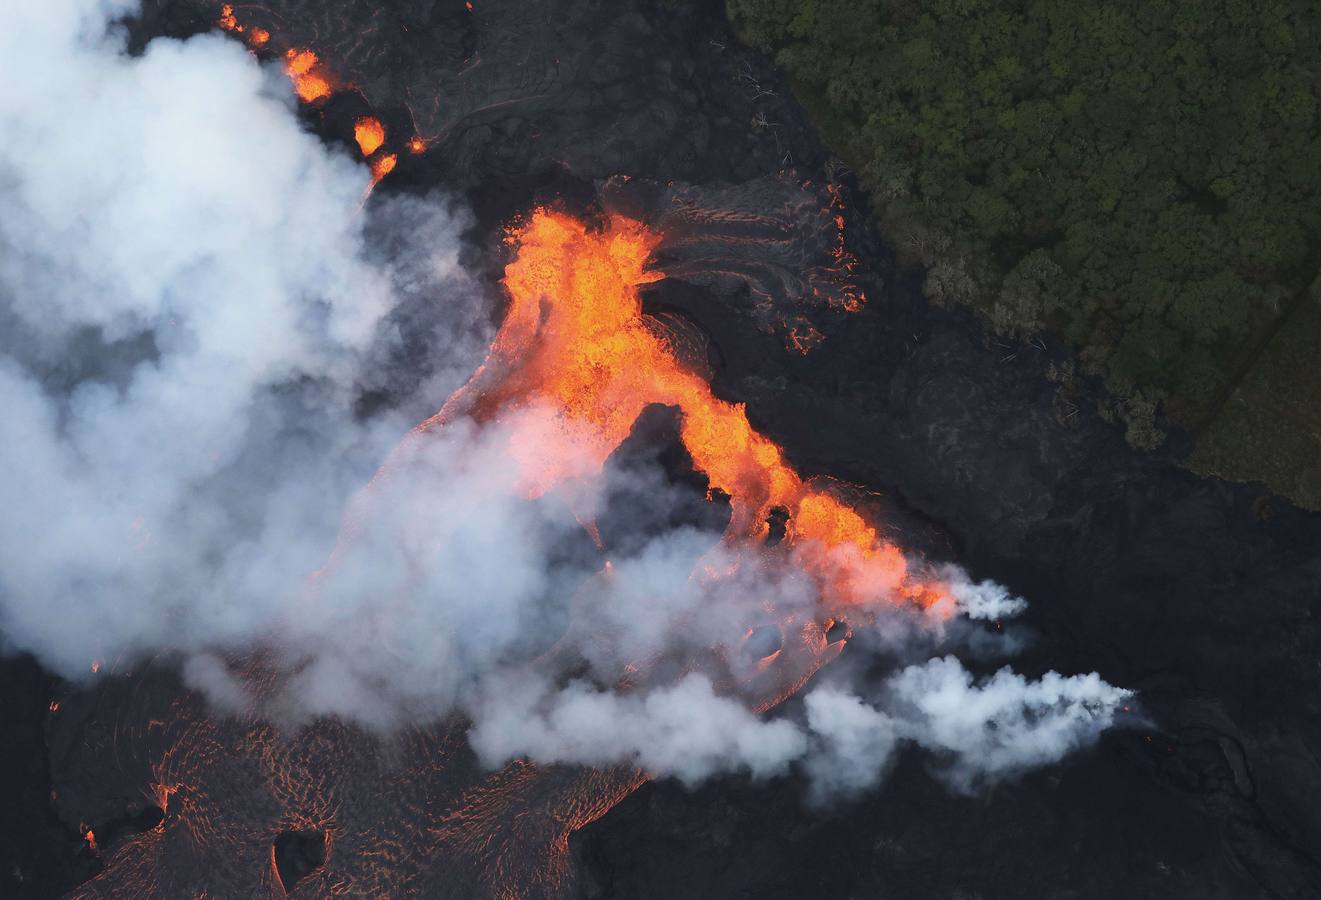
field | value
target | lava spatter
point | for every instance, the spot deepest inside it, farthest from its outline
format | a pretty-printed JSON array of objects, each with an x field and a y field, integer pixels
[
  {"x": 369, "y": 133},
  {"x": 311, "y": 81},
  {"x": 383, "y": 165},
  {"x": 228, "y": 21},
  {"x": 310, "y": 77}
]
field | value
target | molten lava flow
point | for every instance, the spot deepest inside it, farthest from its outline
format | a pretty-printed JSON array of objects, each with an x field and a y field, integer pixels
[
  {"x": 257, "y": 37},
  {"x": 383, "y": 165},
  {"x": 310, "y": 81},
  {"x": 575, "y": 338},
  {"x": 851, "y": 300},
  {"x": 369, "y": 133}
]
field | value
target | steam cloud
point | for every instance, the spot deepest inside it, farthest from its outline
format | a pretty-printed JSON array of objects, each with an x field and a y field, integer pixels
[
  {"x": 188, "y": 307},
  {"x": 192, "y": 301}
]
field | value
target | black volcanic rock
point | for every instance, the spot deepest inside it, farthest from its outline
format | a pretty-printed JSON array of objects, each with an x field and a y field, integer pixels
[
  {"x": 39, "y": 855},
  {"x": 771, "y": 248},
  {"x": 297, "y": 854},
  {"x": 243, "y": 804},
  {"x": 652, "y": 488}
]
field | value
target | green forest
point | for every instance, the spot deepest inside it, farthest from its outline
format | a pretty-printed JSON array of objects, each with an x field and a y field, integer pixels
[{"x": 1137, "y": 177}]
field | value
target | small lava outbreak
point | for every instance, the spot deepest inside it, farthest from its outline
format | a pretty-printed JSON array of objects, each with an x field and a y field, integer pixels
[{"x": 313, "y": 83}]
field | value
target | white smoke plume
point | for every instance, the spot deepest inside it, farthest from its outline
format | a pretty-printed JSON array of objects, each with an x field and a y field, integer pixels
[
  {"x": 979, "y": 732},
  {"x": 982, "y": 600},
  {"x": 192, "y": 300},
  {"x": 187, "y": 304},
  {"x": 686, "y": 730}
]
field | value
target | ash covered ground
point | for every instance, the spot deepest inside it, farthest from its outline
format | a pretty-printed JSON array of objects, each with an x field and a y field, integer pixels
[{"x": 1199, "y": 595}]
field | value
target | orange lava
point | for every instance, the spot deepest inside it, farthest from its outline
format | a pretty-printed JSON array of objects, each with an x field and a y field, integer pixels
[
  {"x": 575, "y": 341},
  {"x": 369, "y": 133},
  {"x": 383, "y": 165},
  {"x": 313, "y": 81},
  {"x": 299, "y": 62},
  {"x": 304, "y": 69},
  {"x": 257, "y": 37}
]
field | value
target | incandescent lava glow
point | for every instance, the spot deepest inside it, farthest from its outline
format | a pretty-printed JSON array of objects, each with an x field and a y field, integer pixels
[
  {"x": 575, "y": 341},
  {"x": 369, "y": 133},
  {"x": 312, "y": 82},
  {"x": 257, "y": 37},
  {"x": 305, "y": 70},
  {"x": 383, "y": 165}
]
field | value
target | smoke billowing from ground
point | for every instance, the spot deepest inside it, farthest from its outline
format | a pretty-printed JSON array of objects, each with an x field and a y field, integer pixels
[
  {"x": 979, "y": 731},
  {"x": 191, "y": 302},
  {"x": 189, "y": 308}
]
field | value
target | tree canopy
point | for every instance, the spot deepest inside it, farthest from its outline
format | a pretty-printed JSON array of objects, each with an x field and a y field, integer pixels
[{"x": 1140, "y": 177}]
